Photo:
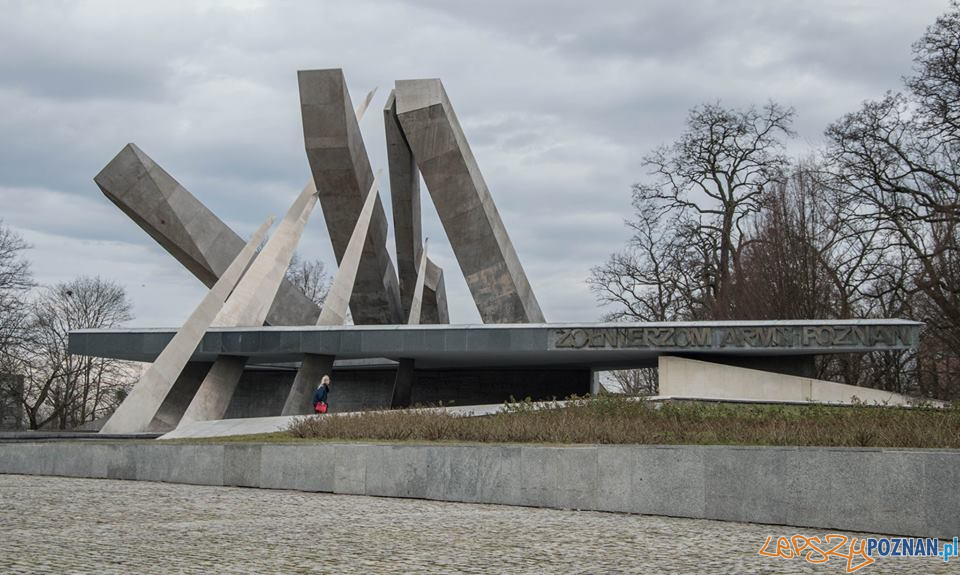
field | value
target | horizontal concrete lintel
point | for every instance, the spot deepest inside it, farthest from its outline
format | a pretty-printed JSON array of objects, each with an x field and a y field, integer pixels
[
  {"x": 595, "y": 345},
  {"x": 911, "y": 492}
]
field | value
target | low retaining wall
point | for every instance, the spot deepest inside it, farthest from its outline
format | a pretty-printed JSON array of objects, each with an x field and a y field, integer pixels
[{"x": 903, "y": 492}]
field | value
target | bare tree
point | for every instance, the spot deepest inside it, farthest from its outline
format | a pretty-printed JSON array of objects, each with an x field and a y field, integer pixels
[
  {"x": 15, "y": 282},
  {"x": 715, "y": 174},
  {"x": 60, "y": 388},
  {"x": 691, "y": 218},
  {"x": 310, "y": 277},
  {"x": 898, "y": 161},
  {"x": 641, "y": 381}
]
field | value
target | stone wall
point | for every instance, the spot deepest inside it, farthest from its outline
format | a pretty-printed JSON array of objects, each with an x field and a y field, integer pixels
[{"x": 889, "y": 491}]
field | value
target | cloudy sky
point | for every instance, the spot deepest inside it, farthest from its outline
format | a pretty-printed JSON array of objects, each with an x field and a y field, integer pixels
[{"x": 559, "y": 100}]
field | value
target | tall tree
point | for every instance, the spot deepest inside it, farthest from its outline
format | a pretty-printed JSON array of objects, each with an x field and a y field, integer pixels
[
  {"x": 898, "y": 162},
  {"x": 67, "y": 390},
  {"x": 691, "y": 217}
]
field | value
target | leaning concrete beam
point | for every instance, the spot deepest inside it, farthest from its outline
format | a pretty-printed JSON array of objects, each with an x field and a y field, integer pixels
[
  {"x": 415, "y": 305},
  {"x": 479, "y": 239},
  {"x": 338, "y": 296},
  {"x": 341, "y": 169},
  {"x": 405, "y": 197},
  {"x": 247, "y": 307},
  {"x": 184, "y": 227},
  {"x": 334, "y": 311},
  {"x": 143, "y": 404}
]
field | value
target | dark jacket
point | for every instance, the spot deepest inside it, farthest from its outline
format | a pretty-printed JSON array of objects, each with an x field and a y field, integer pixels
[{"x": 320, "y": 394}]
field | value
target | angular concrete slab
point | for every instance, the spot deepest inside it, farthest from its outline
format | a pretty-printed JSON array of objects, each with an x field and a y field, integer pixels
[
  {"x": 247, "y": 306},
  {"x": 314, "y": 366},
  {"x": 341, "y": 170},
  {"x": 144, "y": 403},
  {"x": 416, "y": 303},
  {"x": 405, "y": 197},
  {"x": 187, "y": 229},
  {"x": 470, "y": 218},
  {"x": 682, "y": 377}
]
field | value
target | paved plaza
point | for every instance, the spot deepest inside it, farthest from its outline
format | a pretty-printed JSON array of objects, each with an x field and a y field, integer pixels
[{"x": 62, "y": 525}]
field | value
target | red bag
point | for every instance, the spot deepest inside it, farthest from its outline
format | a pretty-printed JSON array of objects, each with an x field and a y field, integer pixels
[{"x": 320, "y": 407}]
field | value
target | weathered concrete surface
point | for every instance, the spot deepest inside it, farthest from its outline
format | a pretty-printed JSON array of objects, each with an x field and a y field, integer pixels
[
  {"x": 902, "y": 492},
  {"x": 184, "y": 227},
  {"x": 142, "y": 405},
  {"x": 683, "y": 377},
  {"x": 341, "y": 170},
  {"x": 405, "y": 197},
  {"x": 247, "y": 306},
  {"x": 597, "y": 345},
  {"x": 416, "y": 304},
  {"x": 403, "y": 385},
  {"x": 314, "y": 367},
  {"x": 336, "y": 304},
  {"x": 473, "y": 225}
]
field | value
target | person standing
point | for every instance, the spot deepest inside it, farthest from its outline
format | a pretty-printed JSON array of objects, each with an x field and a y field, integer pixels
[{"x": 320, "y": 395}]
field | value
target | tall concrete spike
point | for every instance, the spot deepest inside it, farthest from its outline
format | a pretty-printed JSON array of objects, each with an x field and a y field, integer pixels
[
  {"x": 479, "y": 239},
  {"x": 334, "y": 311},
  {"x": 247, "y": 307},
  {"x": 138, "y": 410},
  {"x": 362, "y": 108},
  {"x": 249, "y": 303},
  {"x": 341, "y": 169},
  {"x": 415, "y": 305},
  {"x": 335, "y": 305},
  {"x": 405, "y": 197},
  {"x": 184, "y": 227}
]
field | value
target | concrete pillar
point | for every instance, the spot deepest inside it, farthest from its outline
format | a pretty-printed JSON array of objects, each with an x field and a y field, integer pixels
[
  {"x": 342, "y": 287},
  {"x": 139, "y": 409},
  {"x": 334, "y": 310},
  {"x": 341, "y": 169},
  {"x": 403, "y": 385},
  {"x": 247, "y": 307},
  {"x": 469, "y": 216},
  {"x": 415, "y": 303},
  {"x": 314, "y": 367},
  {"x": 186, "y": 228},
  {"x": 215, "y": 392},
  {"x": 405, "y": 197}
]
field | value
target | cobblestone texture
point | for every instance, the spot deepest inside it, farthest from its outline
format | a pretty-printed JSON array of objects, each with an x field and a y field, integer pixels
[{"x": 62, "y": 525}]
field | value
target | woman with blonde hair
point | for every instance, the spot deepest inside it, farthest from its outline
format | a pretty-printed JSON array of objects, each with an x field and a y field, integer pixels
[{"x": 320, "y": 395}]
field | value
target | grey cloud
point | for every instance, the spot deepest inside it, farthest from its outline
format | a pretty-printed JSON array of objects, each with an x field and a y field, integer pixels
[{"x": 559, "y": 99}]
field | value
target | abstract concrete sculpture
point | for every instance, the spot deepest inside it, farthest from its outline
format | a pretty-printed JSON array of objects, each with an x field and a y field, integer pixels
[
  {"x": 415, "y": 304},
  {"x": 405, "y": 197},
  {"x": 334, "y": 311},
  {"x": 423, "y": 137},
  {"x": 247, "y": 307},
  {"x": 139, "y": 409},
  {"x": 341, "y": 170},
  {"x": 189, "y": 231},
  {"x": 479, "y": 239}
]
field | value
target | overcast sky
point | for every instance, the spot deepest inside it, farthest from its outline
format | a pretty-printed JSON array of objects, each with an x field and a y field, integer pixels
[{"x": 559, "y": 101}]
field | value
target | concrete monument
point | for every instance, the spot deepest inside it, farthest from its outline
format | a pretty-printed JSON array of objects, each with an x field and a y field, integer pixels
[{"x": 479, "y": 239}]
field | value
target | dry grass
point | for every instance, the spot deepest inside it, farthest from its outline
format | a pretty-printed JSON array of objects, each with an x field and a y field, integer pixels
[{"x": 613, "y": 419}]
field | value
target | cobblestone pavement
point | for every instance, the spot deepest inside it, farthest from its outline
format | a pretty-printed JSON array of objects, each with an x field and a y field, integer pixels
[{"x": 62, "y": 525}]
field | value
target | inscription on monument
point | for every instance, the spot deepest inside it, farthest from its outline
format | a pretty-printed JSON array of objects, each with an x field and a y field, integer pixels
[{"x": 718, "y": 337}]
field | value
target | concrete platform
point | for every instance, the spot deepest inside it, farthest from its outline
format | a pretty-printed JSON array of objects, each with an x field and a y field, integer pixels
[{"x": 584, "y": 345}]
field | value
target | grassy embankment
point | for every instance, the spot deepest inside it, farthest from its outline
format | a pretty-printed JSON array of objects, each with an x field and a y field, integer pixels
[{"x": 613, "y": 420}]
